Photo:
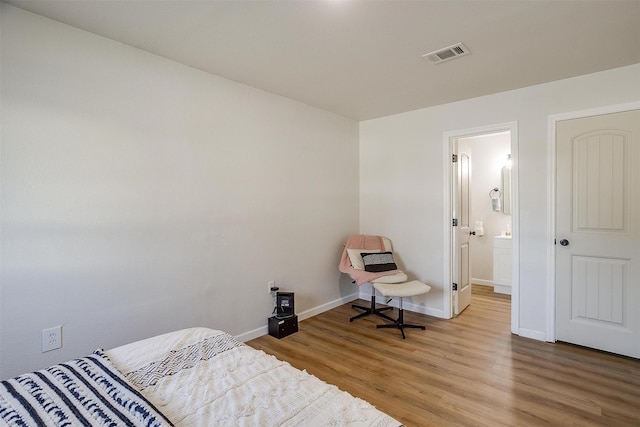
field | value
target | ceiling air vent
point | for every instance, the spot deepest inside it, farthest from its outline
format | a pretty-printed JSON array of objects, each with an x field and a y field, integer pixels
[{"x": 447, "y": 53}]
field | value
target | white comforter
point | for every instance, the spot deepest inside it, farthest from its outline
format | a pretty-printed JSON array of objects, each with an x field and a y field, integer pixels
[{"x": 202, "y": 377}]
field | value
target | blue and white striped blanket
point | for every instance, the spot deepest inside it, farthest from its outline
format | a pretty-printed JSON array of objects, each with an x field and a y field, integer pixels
[{"x": 82, "y": 392}]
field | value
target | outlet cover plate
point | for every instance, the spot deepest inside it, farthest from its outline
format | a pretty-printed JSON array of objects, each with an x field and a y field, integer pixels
[{"x": 51, "y": 338}]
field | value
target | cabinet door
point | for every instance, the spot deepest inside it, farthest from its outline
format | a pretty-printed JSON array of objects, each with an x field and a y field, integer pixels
[{"x": 502, "y": 266}]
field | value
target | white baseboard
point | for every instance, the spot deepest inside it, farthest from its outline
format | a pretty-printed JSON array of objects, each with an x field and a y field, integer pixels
[
  {"x": 482, "y": 282},
  {"x": 535, "y": 335},
  {"x": 424, "y": 310},
  {"x": 327, "y": 306},
  {"x": 502, "y": 289},
  {"x": 417, "y": 308},
  {"x": 264, "y": 330},
  {"x": 248, "y": 336}
]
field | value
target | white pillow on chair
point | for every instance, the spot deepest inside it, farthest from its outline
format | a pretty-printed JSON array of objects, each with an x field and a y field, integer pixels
[{"x": 356, "y": 258}]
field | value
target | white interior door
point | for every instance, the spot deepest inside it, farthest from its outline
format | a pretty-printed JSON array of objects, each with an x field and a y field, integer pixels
[
  {"x": 598, "y": 232},
  {"x": 463, "y": 203}
]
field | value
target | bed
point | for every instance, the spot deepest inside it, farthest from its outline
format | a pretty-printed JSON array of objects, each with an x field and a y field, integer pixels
[{"x": 193, "y": 377}]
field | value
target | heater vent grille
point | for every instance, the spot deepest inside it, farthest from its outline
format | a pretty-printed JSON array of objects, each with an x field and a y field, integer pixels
[{"x": 451, "y": 52}]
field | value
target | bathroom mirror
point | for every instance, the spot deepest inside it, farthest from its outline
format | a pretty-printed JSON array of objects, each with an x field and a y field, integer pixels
[{"x": 506, "y": 190}]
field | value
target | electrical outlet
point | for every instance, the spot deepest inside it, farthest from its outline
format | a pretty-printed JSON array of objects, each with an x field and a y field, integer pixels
[
  {"x": 270, "y": 284},
  {"x": 51, "y": 338}
]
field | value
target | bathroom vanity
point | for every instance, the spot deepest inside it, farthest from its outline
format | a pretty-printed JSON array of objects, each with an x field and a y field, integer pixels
[{"x": 502, "y": 264}]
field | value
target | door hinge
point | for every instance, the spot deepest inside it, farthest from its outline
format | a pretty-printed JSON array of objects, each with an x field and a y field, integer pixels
[
  {"x": 455, "y": 286},
  {"x": 455, "y": 222},
  {"x": 454, "y": 158}
]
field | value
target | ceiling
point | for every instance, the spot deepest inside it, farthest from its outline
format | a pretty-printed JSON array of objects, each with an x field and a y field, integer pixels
[{"x": 363, "y": 58}]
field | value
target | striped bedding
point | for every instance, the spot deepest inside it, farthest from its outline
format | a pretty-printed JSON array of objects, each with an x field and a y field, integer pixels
[
  {"x": 196, "y": 377},
  {"x": 82, "y": 392}
]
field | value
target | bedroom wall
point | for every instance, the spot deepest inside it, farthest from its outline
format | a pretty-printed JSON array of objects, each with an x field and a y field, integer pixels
[
  {"x": 402, "y": 174},
  {"x": 140, "y": 196}
]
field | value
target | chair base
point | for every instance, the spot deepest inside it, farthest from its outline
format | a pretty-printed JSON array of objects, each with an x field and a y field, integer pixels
[
  {"x": 399, "y": 323},
  {"x": 371, "y": 310}
]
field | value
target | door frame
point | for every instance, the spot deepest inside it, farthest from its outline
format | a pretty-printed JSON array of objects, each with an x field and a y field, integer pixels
[
  {"x": 551, "y": 202},
  {"x": 449, "y": 139}
]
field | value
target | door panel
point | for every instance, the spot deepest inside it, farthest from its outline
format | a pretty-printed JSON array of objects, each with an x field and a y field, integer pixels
[
  {"x": 597, "y": 226},
  {"x": 464, "y": 229},
  {"x": 601, "y": 165},
  {"x": 598, "y": 290}
]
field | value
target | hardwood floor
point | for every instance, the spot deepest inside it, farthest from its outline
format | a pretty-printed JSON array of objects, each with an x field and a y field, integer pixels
[{"x": 465, "y": 371}]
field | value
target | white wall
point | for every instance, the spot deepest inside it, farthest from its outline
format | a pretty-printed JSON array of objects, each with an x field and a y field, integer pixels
[
  {"x": 141, "y": 196},
  {"x": 402, "y": 174}
]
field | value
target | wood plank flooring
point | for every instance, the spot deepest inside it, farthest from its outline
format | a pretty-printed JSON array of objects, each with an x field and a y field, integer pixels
[{"x": 465, "y": 371}]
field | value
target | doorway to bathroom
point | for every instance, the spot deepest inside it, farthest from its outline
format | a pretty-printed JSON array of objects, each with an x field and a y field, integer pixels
[
  {"x": 490, "y": 210},
  {"x": 482, "y": 195}
]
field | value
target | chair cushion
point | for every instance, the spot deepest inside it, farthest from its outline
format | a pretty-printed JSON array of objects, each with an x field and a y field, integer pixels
[
  {"x": 408, "y": 289},
  {"x": 378, "y": 262},
  {"x": 399, "y": 277},
  {"x": 355, "y": 256}
]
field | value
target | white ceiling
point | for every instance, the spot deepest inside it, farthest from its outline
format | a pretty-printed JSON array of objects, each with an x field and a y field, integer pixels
[{"x": 363, "y": 58}]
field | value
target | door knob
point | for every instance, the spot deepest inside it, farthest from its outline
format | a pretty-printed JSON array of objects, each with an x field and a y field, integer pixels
[
  {"x": 564, "y": 242},
  {"x": 473, "y": 233}
]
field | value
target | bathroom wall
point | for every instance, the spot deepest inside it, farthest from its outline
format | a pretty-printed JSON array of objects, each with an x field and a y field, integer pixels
[{"x": 488, "y": 154}]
